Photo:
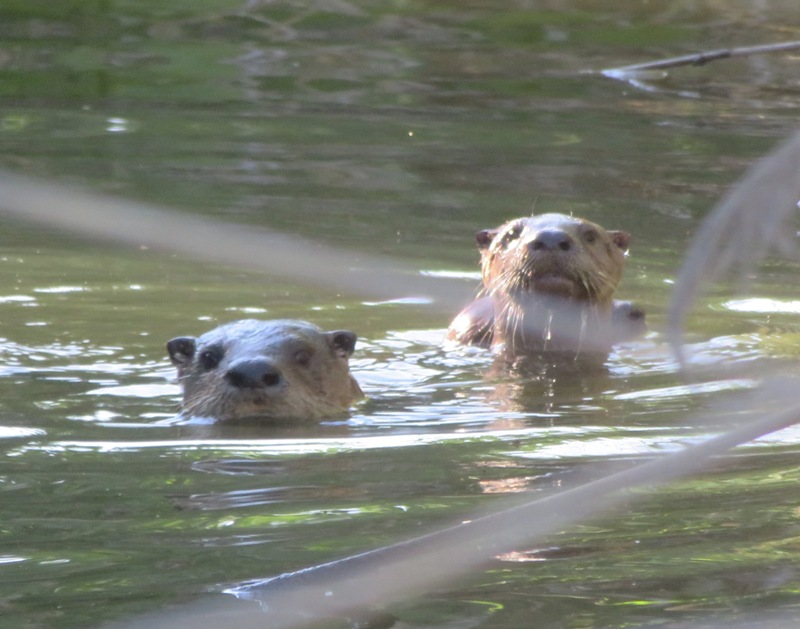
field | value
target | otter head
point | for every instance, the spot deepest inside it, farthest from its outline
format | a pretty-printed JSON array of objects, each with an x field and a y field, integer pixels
[
  {"x": 553, "y": 256},
  {"x": 271, "y": 369},
  {"x": 551, "y": 279}
]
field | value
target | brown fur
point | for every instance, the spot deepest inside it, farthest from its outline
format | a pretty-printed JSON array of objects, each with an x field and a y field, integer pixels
[
  {"x": 548, "y": 287},
  {"x": 281, "y": 369}
]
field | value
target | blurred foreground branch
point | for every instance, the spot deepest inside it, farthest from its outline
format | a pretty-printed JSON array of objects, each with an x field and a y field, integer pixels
[
  {"x": 409, "y": 568},
  {"x": 740, "y": 230},
  {"x": 751, "y": 220},
  {"x": 105, "y": 218}
]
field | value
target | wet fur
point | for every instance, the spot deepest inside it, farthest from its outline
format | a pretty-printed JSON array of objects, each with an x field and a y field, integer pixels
[
  {"x": 549, "y": 299},
  {"x": 313, "y": 365}
]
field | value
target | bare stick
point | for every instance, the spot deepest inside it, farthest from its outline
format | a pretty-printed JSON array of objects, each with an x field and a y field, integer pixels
[{"x": 698, "y": 59}]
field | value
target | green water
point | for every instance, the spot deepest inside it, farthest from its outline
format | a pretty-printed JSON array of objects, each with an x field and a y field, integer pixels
[{"x": 397, "y": 128}]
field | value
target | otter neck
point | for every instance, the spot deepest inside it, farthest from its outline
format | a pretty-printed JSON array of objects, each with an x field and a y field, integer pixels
[{"x": 533, "y": 323}]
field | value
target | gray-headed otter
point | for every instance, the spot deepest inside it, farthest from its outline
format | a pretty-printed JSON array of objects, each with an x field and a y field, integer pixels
[
  {"x": 282, "y": 369},
  {"x": 548, "y": 287}
]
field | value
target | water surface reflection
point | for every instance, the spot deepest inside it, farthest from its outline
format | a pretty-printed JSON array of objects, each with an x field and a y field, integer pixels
[{"x": 398, "y": 130}]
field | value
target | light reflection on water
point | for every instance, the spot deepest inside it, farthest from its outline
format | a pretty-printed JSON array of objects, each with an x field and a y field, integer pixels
[
  {"x": 428, "y": 124},
  {"x": 763, "y": 305},
  {"x": 14, "y": 432},
  {"x": 575, "y": 443},
  {"x": 690, "y": 390},
  {"x": 411, "y": 381}
]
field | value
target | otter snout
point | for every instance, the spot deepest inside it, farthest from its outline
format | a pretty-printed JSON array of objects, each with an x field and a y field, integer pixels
[
  {"x": 254, "y": 373},
  {"x": 551, "y": 240}
]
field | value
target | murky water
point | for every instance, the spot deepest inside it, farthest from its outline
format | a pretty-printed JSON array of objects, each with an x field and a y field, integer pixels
[{"x": 400, "y": 129}]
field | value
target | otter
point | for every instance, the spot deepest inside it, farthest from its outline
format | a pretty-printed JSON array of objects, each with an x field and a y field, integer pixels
[
  {"x": 548, "y": 287},
  {"x": 280, "y": 369}
]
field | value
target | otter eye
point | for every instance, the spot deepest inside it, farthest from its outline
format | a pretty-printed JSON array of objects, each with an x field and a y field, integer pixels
[
  {"x": 302, "y": 357},
  {"x": 511, "y": 234},
  {"x": 209, "y": 358},
  {"x": 590, "y": 236}
]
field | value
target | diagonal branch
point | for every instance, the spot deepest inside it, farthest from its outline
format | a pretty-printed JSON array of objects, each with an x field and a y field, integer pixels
[{"x": 697, "y": 59}]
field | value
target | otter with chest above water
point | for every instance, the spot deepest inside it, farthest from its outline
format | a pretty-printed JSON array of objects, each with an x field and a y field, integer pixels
[
  {"x": 548, "y": 288},
  {"x": 281, "y": 369}
]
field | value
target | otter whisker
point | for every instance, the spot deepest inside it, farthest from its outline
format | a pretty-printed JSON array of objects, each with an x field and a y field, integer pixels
[
  {"x": 241, "y": 369},
  {"x": 550, "y": 289}
]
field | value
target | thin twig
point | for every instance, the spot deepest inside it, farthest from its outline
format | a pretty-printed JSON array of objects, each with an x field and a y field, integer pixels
[{"x": 698, "y": 59}]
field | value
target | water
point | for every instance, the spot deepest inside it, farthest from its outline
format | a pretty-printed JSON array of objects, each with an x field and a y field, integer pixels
[{"x": 398, "y": 129}]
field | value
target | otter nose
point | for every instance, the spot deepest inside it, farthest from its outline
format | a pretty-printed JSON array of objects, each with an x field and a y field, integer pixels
[
  {"x": 551, "y": 240},
  {"x": 253, "y": 374}
]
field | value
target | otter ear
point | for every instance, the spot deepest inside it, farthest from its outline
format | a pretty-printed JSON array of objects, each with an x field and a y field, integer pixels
[
  {"x": 343, "y": 342},
  {"x": 484, "y": 237},
  {"x": 621, "y": 239},
  {"x": 181, "y": 350}
]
